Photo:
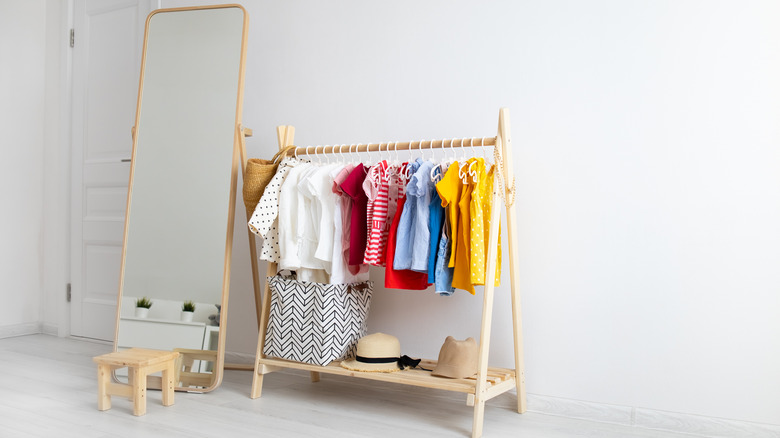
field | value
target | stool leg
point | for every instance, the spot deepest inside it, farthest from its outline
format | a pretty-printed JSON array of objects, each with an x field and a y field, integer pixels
[
  {"x": 168, "y": 384},
  {"x": 139, "y": 391},
  {"x": 104, "y": 378}
]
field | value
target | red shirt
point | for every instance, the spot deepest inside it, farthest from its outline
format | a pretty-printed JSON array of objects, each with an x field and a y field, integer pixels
[
  {"x": 403, "y": 279},
  {"x": 353, "y": 187}
]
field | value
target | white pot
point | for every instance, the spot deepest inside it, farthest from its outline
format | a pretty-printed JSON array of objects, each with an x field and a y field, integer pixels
[
  {"x": 186, "y": 316},
  {"x": 141, "y": 312}
]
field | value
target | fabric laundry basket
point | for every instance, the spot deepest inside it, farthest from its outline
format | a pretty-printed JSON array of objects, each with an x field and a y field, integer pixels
[{"x": 315, "y": 323}]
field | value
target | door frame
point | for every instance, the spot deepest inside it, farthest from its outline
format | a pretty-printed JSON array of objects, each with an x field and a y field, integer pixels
[
  {"x": 57, "y": 189},
  {"x": 59, "y": 252}
]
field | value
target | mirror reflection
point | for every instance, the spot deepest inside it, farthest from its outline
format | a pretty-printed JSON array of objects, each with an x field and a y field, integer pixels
[{"x": 182, "y": 189}]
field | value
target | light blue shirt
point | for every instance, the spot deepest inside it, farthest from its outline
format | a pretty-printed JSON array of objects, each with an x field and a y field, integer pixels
[
  {"x": 404, "y": 238},
  {"x": 421, "y": 188}
]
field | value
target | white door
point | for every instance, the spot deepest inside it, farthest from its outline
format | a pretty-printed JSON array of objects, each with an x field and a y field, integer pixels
[{"x": 108, "y": 38}]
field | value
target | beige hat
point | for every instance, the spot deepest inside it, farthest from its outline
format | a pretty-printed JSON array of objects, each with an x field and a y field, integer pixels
[
  {"x": 457, "y": 359},
  {"x": 378, "y": 353}
]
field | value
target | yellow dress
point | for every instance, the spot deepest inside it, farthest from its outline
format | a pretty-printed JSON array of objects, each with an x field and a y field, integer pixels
[
  {"x": 449, "y": 189},
  {"x": 481, "y": 209},
  {"x": 456, "y": 197}
]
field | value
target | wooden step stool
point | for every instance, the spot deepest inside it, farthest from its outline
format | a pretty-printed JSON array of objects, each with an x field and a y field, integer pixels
[{"x": 140, "y": 363}]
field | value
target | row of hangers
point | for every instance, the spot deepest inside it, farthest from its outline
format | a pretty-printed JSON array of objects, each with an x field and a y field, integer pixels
[{"x": 437, "y": 170}]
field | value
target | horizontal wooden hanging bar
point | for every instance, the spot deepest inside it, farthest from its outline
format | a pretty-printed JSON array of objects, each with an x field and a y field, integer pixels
[{"x": 393, "y": 146}]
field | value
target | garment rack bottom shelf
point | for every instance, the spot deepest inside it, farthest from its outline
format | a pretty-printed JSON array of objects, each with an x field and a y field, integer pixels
[{"x": 499, "y": 380}]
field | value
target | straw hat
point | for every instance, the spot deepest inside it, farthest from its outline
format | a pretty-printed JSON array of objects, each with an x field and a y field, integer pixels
[
  {"x": 457, "y": 359},
  {"x": 378, "y": 353}
]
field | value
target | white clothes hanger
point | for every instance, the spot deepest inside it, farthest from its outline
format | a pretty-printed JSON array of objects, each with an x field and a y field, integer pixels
[
  {"x": 396, "y": 163},
  {"x": 308, "y": 156},
  {"x": 367, "y": 161},
  {"x": 407, "y": 171},
  {"x": 352, "y": 157},
  {"x": 473, "y": 149},
  {"x": 463, "y": 150},
  {"x": 452, "y": 158},
  {"x": 473, "y": 173},
  {"x": 489, "y": 158},
  {"x": 436, "y": 173},
  {"x": 463, "y": 163}
]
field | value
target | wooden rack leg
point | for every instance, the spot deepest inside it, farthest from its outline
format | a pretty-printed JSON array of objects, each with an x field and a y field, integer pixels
[
  {"x": 511, "y": 220},
  {"x": 257, "y": 380},
  {"x": 487, "y": 318},
  {"x": 284, "y": 136},
  {"x": 242, "y": 134}
]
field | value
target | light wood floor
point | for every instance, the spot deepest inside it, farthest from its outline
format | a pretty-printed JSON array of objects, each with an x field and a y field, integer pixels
[{"x": 48, "y": 389}]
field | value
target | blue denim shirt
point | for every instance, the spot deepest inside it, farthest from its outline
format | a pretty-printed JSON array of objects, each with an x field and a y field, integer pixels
[
  {"x": 436, "y": 223},
  {"x": 443, "y": 273}
]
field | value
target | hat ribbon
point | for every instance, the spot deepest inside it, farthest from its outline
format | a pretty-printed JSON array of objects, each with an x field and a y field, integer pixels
[{"x": 403, "y": 361}]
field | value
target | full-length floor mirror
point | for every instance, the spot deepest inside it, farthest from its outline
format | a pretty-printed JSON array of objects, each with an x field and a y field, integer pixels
[{"x": 182, "y": 192}]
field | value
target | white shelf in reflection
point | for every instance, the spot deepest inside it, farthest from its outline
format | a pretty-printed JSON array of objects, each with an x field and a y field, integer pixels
[{"x": 168, "y": 321}]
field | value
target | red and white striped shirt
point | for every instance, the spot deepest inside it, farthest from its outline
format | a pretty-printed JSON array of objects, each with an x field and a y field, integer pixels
[{"x": 381, "y": 199}]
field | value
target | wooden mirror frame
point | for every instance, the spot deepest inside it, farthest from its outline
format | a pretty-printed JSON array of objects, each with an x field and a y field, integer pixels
[{"x": 205, "y": 382}]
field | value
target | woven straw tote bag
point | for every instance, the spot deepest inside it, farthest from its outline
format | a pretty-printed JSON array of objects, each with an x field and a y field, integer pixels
[{"x": 257, "y": 175}]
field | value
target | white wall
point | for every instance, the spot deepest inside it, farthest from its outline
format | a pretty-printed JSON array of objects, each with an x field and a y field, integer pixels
[
  {"x": 647, "y": 154},
  {"x": 34, "y": 170},
  {"x": 22, "y": 44},
  {"x": 55, "y": 232},
  {"x": 647, "y": 149}
]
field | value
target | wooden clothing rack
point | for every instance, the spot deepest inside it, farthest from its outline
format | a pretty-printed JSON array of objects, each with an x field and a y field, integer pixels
[{"x": 489, "y": 381}]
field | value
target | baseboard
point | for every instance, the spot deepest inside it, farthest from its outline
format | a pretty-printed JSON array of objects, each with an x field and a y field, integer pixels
[
  {"x": 696, "y": 425},
  {"x": 30, "y": 328},
  {"x": 703, "y": 426},
  {"x": 236, "y": 357},
  {"x": 50, "y": 329},
  {"x": 563, "y": 407}
]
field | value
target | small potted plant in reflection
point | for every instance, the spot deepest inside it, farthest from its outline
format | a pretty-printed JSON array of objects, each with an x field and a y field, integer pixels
[
  {"x": 142, "y": 306},
  {"x": 187, "y": 310}
]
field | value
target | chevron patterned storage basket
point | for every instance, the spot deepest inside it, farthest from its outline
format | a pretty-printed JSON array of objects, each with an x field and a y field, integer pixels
[{"x": 313, "y": 322}]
